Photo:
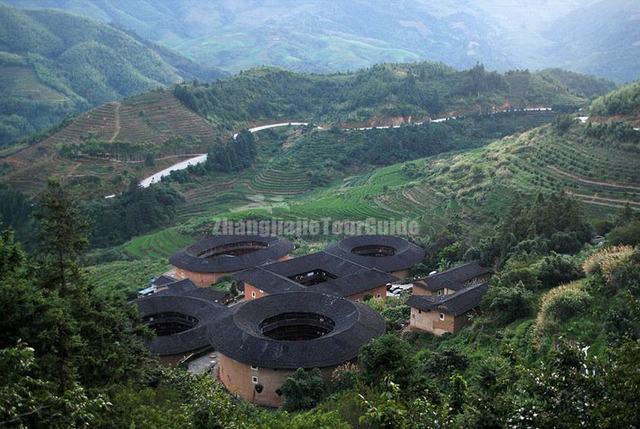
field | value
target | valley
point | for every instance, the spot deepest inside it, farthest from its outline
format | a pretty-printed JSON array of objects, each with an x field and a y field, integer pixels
[{"x": 319, "y": 214}]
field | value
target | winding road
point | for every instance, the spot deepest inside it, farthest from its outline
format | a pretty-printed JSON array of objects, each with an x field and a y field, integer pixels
[{"x": 199, "y": 159}]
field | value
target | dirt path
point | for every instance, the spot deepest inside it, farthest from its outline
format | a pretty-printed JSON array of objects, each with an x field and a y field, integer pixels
[
  {"x": 599, "y": 203},
  {"x": 117, "y": 116},
  {"x": 592, "y": 182},
  {"x": 604, "y": 199},
  {"x": 411, "y": 198}
]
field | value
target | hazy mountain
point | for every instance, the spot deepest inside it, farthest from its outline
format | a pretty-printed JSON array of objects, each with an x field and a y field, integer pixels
[
  {"x": 602, "y": 39},
  {"x": 302, "y": 34},
  {"x": 338, "y": 35},
  {"x": 54, "y": 63}
]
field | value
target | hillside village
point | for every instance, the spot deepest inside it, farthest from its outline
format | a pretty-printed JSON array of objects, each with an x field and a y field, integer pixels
[{"x": 406, "y": 245}]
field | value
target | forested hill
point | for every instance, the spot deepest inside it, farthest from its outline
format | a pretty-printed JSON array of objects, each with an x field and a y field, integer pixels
[
  {"x": 623, "y": 101},
  {"x": 53, "y": 64},
  {"x": 383, "y": 91},
  {"x": 194, "y": 117}
]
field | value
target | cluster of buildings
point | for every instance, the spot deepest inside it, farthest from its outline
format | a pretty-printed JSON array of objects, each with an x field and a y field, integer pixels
[{"x": 303, "y": 312}]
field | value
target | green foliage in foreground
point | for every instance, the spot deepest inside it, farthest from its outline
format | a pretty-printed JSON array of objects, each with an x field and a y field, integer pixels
[{"x": 71, "y": 356}]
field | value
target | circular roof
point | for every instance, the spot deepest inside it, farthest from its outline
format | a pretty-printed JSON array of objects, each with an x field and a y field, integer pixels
[
  {"x": 189, "y": 340},
  {"x": 403, "y": 255},
  {"x": 208, "y": 255},
  {"x": 238, "y": 333}
]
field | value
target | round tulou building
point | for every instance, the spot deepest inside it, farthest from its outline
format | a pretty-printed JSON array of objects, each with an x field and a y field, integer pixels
[
  {"x": 211, "y": 258},
  {"x": 386, "y": 253},
  {"x": 180, "y": 325},
  {"x": 262, "y": 342}
]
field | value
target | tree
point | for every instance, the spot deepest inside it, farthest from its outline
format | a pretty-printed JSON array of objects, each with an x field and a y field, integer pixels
[
  {"x": 27, "y": 400},
  {"x": 508, "y": 303},
  {"x": 625, "y": 234},
  {"x": 556, "y": 269},
  {"x": 62, "y": 236},
  {"x": 387, "y": 356},
  {"x": 303, "y": 390}
]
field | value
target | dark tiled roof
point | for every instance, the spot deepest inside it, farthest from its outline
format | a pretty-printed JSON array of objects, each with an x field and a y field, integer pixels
[
  {"x": 455, "y": 304},
  {"x": 193, "y": 339},
  {"x": 406, "y": 254},
  {"x": 453, "y": 278},
  {"x": 177, "y": 287},
  {"x": 188, "y": 258},
  {"x": 162, "y": 280},
  {"x": 207, "y": 293},
  {"x": 352, "y": 284},
  {"x": 237, "y": 333},
  {"x": 351, "y": 278}
]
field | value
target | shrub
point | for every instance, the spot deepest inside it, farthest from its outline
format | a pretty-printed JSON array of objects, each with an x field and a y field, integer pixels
[
  {"x": 626, "y": 234},
  {"x": 385, "y": 356},
  {"x": 607, "y": 260},
  {"x": 567, "y": 304},
  {"x": 508, "y": 303},
  {"x": 444, "y": 361},
  {"x": 303, "y": 390},
  {"x": 523, "y": 275},
  {"x": 560, "y": 304},
  {"x": 556, "y": 269},
  {"x": 627, "y": 275}
]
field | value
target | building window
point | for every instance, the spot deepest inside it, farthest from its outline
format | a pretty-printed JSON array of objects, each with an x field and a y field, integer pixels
[
  {"x": 254, "y": 379},
  {"x": 378, "y": 296},
  {"x": 253, "y": 294},
  {"x": 278, "y": 392},
  {"x": 254, "y": 368},
  {"x": 258, "y": 388},
  {"x": 419, "y": 311},
  {"x": 441, "y": 316},
  {"x": 440, "y": 292}
]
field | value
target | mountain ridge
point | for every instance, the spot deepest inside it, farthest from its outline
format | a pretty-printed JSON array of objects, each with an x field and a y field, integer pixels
[{"x": 55, "y": 64}]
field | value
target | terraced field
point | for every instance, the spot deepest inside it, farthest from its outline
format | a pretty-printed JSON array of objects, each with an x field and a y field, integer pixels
[
  {"x": 476, "y": 185},
  {"x": 280, "y": 182},
  {"x": 158, "y": 245},
  {"x": 21, "y": 81},
  {"x": 149, "y": 119},
  {"x": 154, "y": 120}
]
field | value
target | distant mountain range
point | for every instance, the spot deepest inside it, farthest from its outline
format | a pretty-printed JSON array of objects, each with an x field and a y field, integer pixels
[
  {"x": 599, "y": 37},
  {"x": 53, "y": 64}
]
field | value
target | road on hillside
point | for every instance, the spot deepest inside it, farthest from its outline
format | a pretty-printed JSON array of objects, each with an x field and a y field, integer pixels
[
  {"x": 199, "y": 159},
  {"x": 157, "y": 177}
]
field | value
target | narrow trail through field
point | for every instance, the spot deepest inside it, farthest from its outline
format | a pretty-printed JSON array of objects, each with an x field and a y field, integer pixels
[
  {"x": 604, "y": 199},
  {"x": 591, "y": 181},
  {"x": 117, "y": 120},
  {"x": 411, "y": 198}
]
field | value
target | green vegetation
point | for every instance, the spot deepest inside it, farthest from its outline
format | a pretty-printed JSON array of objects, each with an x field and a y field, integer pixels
[
  {"x": 580, "y": 84},
  {"x": 556, "y": 306},
  {"x": 109, "y": 145},
  {"x": 383, "y": 91},
  {"x": 132, "y": 213},
  {"x": 55, "y": 64},
  {"x": 623, "y": 101}
]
